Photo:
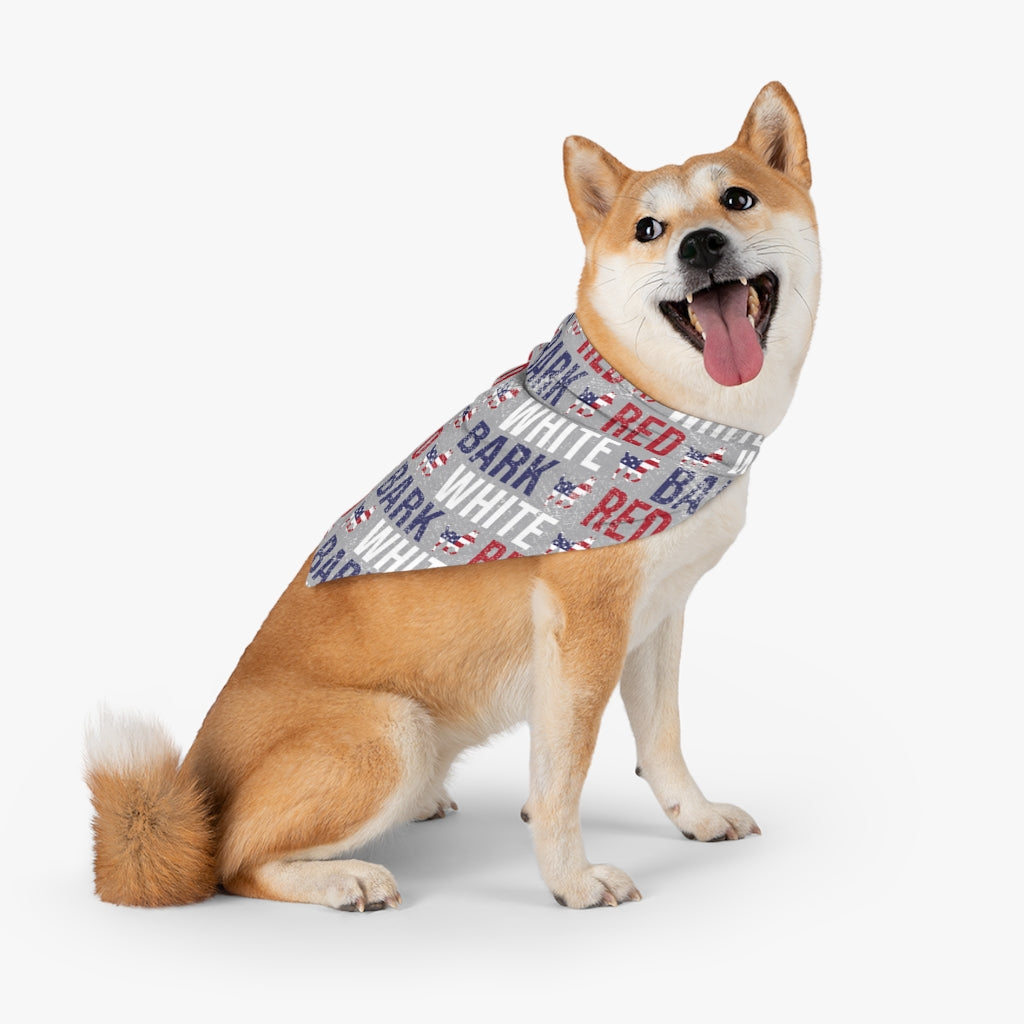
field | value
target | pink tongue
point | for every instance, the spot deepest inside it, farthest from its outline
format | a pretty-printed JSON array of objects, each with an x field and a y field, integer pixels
[{"x": 732, "y": 349}]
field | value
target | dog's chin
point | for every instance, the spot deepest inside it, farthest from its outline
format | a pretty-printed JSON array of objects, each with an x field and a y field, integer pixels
[{"x": 728, "y": 324}]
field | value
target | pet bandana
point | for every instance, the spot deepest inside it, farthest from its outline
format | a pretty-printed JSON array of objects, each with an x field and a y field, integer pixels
[{"x": 560, "y": 454}]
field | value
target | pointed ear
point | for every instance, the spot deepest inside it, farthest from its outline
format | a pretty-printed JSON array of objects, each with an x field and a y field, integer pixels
[
  {"x": 774, "y": 133},
  {"x": 594, "y": 178}
]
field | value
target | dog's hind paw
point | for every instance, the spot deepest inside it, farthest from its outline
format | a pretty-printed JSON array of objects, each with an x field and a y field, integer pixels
[
  {"x": 360, "y": 887},
  {"x": 340, "y": 884},
  {"x": 431, "y": 810},
  {"x": 597, "y": 885},
  {"x": 714, "y": 823}
]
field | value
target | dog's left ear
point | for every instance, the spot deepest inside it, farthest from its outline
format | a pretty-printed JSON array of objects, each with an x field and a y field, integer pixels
[
  {"x": 594, "y": 178},
  {"x": 774, "y": 133}
]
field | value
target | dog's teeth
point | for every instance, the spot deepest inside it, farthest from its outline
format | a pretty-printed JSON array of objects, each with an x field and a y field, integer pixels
[
  {"x": 695, "y": 322},
  {"x": 753, "y": 302},
  {"x": 743, "y": 280},
  {"x": 689, "y": 297},
  {"x": 751, "y": 319}
]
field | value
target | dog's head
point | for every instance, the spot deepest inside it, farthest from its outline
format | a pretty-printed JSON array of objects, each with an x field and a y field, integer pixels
[{"x": 701, "y": 280}]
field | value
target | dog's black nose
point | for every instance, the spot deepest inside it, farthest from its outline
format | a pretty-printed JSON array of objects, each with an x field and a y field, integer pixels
[{"x": 703, "y": 248}]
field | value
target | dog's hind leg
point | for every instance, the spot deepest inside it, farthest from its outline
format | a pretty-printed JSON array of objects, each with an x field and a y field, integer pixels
[
  {"x": 650, "y": 691},
  {"x": 328, "y": 778}
]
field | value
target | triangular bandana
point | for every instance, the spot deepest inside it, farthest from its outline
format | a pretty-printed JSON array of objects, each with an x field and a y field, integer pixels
[{"x": 560, "y": 454}]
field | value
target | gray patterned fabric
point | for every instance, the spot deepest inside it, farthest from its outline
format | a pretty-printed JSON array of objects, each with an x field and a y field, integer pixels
[{"x": 560, "y": 454}]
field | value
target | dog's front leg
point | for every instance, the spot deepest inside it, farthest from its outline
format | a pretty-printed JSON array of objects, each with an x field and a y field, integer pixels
[
  {"x": 650, "y": 691},
  {"x": 576, "y": 665}
]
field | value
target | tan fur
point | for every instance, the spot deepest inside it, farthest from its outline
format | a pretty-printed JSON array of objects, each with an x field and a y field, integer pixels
[
  {"x": 153, "y": 836},
  {"x": 346, "y": 712}
]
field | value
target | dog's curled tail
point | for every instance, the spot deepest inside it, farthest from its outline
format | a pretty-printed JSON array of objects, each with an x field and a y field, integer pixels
[{"x": 153, "y": 837}]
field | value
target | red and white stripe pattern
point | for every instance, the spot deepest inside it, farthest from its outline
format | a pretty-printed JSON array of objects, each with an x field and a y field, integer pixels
[
  {"x": 567, "y": 498},
  {"x": 631, "y": 467},
  {"x": 501, "y": 394},
  {"x": 451, "y": 542},
  {"x": 434, "y": 460},
  {"x": 586, "y": 406},
  {"x": 464, "y": 417},
  {"x": 704, "y": 460},
  {"x": 562, "y": 543},
  {"x": 360, "y": 515}
]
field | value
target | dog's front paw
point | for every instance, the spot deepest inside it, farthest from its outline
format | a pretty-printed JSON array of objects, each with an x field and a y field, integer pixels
[
  {"x": 713, "y": 823},
  {"x": 597, "y": 885}
]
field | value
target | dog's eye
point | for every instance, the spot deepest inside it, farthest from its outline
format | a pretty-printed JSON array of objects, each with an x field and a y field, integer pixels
[
  {"x": 738, "y": 199},
  {"x": 648, "y": 229}
]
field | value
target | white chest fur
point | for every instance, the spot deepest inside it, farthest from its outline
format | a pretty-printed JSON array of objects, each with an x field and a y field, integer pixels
[{"x": 675, "y": 559}]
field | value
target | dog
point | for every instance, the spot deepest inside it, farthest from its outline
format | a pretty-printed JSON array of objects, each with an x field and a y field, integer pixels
[{"x": 344, "y": 715}]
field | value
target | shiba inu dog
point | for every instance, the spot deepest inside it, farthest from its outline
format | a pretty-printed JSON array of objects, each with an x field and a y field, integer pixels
[{"x": 344, "y": 715}]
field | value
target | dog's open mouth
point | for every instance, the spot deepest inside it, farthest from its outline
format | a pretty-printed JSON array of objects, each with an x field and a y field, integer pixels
[{"x": 727, "y": 323}]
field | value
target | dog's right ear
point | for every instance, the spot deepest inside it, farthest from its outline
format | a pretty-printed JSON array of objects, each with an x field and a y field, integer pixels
[{"x": 594, "y": 178}]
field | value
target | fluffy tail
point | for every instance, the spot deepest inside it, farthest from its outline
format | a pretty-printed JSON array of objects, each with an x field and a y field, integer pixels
[{"x": 153, "y": 837}]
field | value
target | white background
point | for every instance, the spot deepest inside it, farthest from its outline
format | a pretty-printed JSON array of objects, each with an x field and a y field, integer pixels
[{"x": 226, "y": 226}]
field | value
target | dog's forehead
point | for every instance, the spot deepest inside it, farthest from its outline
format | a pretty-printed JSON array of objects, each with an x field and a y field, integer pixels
[{"x": 684, "y": 187}]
